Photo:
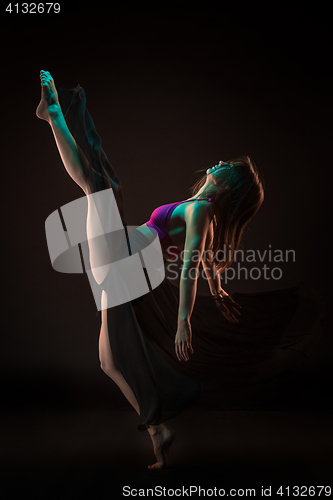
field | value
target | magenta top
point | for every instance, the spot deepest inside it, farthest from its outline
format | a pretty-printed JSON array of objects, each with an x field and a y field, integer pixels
[{"x": 159, "y": 220}]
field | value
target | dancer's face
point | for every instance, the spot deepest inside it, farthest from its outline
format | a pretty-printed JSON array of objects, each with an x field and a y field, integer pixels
[{"x": 213, "y": 170}]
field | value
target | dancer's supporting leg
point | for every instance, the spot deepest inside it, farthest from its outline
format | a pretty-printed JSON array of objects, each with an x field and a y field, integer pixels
[
  {"x": 107, "y": 362},
  {"x": 49, "y": 109},
  {"x": 161, "y": 436}
]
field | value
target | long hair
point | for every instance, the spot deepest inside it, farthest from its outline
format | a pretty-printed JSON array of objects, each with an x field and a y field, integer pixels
[{"x": 237, "y": 197}]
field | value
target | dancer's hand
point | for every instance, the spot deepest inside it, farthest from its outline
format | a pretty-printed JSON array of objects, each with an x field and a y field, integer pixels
[
  {"x": 183, "y": 340},
  {"x": 228, "y": 307}
]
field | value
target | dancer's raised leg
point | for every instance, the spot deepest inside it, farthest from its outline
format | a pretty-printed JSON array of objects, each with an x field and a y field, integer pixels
[{"x": 49, "y": 110}]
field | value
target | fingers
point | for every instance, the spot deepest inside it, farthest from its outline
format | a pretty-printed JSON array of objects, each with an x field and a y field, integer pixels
[
  {"x": 181, "y": 350},
  {"x": 184, "y": 351},
  {"x": 233, "y": 319},
  {"x": 189, "y": 346},
  {"x": 228, "y": 303},
  {"x": 235, "y": 310},
  {"x": 230, "y": 317},
  {"x": 227, "y": 313},
  {"x": 229, "y": 299}
]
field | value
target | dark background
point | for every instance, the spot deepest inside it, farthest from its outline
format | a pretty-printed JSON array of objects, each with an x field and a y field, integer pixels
[{"x": 172, "y": 88}]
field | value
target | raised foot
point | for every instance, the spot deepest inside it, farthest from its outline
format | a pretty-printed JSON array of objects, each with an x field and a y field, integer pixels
[
  {"x": 162, "y": 441},
  {"x": 49, "y": 102}
]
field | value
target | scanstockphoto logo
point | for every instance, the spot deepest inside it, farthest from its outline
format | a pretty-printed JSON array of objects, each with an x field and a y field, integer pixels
[
  {"x": 88, "y": 236},
  {"x": 247, "y": 264}
]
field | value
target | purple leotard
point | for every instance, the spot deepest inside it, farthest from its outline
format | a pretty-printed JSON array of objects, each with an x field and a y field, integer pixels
[{"x": 159, "y": 220}]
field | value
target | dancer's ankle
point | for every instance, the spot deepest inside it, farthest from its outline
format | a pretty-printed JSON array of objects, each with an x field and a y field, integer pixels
[
  {"x": 54, "y": 110},
  {"x": 156, "y": 429}
]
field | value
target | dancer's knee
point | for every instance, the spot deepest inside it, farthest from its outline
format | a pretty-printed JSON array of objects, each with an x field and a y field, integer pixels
[{"x": 110, "y": 369}]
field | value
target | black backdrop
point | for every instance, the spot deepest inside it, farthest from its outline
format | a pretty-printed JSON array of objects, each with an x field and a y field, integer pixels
[{"x": 172, "y": 88}]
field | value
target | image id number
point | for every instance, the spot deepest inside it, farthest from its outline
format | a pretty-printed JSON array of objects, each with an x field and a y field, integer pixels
[{"x": 33, "y": 8}]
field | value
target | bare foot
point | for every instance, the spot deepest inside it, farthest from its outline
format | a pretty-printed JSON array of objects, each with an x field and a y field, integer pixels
[
  {"x": 49, "y": 102},
  {"x": 162, "y": 440}
]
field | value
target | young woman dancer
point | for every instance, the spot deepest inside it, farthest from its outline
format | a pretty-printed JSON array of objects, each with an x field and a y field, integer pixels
[{"x": 233, "y": 348}]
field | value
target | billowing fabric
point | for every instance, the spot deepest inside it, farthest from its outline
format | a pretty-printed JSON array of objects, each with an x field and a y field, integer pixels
[
  {"x": 277, "y": 330},
  {"x": 159, "y": 220},
  {"x": 237, "y": 364}
]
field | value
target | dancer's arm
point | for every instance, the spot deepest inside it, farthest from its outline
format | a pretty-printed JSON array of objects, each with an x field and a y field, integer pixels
[
  {"x": 213, "y": 278},
  {"x": 197, "y": 222},
  {"x": 228, "y": 307}
]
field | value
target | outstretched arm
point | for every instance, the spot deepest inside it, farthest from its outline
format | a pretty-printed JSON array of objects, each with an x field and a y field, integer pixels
[
  {"x": 197, "y": 222},
  {"x": 213, "y": 278},
  {"x": 228, "y": 307}
]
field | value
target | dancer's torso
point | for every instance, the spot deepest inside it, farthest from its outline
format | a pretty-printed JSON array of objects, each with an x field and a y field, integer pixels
[{"x": 169, "y": 222}]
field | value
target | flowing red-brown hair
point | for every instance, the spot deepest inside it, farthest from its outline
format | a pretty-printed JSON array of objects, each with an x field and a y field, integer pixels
[{"x": 238, "y": 195}]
